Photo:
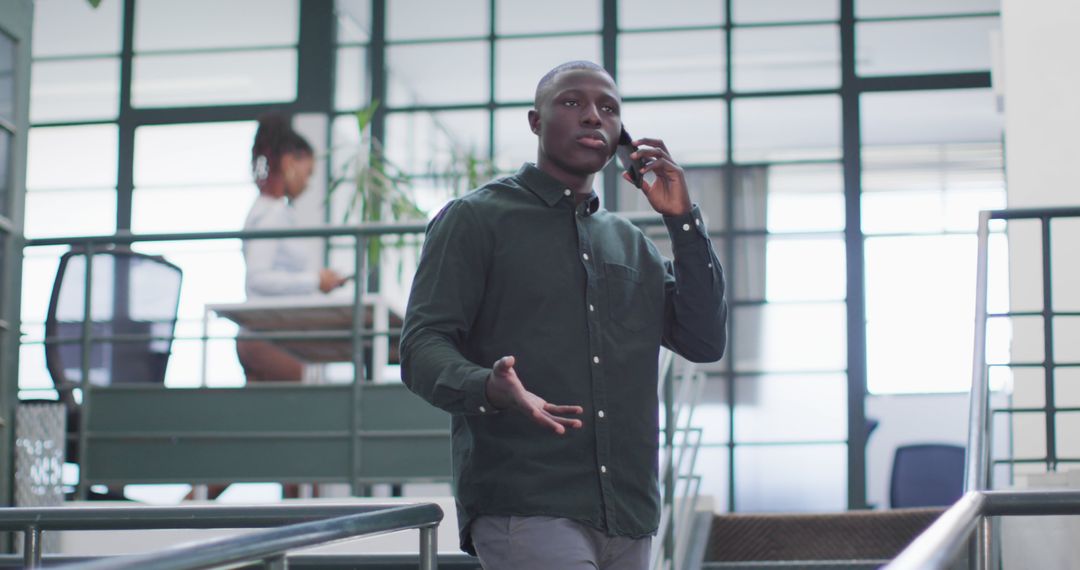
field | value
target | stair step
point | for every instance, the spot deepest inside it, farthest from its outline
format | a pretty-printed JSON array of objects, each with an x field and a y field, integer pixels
[
  {"x": 830, "y": 537},
  {"x": 790, "y": 564}
]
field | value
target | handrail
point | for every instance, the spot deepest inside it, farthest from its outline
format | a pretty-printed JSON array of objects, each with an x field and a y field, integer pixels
[
  {"x": 270, "y": 544},
  {"x": 359, "y": 230},
  {"x": 976, "y": 475},
  {"x": 309, "y": 525},
  {"x": 937, "y": 545}
]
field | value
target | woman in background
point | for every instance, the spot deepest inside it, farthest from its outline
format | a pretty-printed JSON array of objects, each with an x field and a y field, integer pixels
[{"x": 282, "y": 162}]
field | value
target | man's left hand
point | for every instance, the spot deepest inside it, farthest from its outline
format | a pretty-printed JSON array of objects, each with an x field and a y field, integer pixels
[{"x": 667, "y": 194}]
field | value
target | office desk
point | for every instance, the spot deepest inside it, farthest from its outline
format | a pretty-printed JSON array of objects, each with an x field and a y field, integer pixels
[{"x": 324, "y": 314}]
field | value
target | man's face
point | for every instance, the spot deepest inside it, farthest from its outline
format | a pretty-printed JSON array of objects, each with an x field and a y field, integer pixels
[{"x": 578, "y": 121}]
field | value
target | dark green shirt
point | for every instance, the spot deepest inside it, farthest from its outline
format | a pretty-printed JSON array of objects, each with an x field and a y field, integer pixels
[{"x": 583, "y": 300}]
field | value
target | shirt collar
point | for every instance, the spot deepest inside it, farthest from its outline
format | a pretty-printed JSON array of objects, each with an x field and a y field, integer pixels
[{"x": 550, "y": 190}]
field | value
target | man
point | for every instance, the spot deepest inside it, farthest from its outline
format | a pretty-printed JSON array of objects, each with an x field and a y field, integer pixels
[{"x": 536, "y": 319}]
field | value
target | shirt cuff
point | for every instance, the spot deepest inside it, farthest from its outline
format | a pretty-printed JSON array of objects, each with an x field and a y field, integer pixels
[
  {"x": 686, "y": 229},
  {"x": 476, "y": 402}
]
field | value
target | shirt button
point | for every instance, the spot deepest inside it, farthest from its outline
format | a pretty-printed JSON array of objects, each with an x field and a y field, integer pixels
[
  {"x": 710, "y": 265},
  {"x": 686, "y": 227},
  {"x": 596, "y": 360},
  {"x": 591, "y": 307},
  {"x": 603, "y": 469},
  {"x": 566, "y": 192},
  {"x": 585, "y": 256},
  {"x": 600, "y": 413},
  {"x": 483, "y": 409}
]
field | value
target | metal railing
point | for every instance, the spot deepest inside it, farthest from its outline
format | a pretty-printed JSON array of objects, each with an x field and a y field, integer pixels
[
  {"x": 939, "y": 544},
  {"x": 679, "y": 483},
  {"x": 298, "y": 526}
]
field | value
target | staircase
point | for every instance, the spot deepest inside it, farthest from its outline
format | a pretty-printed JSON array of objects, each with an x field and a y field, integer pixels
[{"x": 851, "y": 540}]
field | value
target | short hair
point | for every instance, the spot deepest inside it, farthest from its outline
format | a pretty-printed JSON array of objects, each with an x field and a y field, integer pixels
[{"x": 549, "y": 77}]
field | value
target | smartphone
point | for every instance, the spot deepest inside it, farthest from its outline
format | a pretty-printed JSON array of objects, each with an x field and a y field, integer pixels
[{"x": 632, "y": 166}]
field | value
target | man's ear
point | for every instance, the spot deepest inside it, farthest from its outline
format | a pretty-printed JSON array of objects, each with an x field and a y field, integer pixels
[{"x": 534, "y": 121}]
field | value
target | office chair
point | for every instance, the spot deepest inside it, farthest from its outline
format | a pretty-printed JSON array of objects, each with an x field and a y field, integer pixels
[
  {"x": 132, "y": 294},
  {"x": 927, "y": 475}
]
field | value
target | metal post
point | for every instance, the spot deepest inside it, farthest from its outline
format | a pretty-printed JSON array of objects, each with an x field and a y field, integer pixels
[
  {"x": 1048, "y": 349},
  {"x": 32, "y": 547},
  {"x": 669, "y": 464},
  {"x": 83, "y": 488},
  {"x": 359, "y": 284},
  {"x": 429, "y": 547},
  {"x": 981, "y": 556}
]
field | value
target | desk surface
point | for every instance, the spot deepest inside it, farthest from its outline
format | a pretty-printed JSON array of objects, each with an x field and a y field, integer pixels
[{"x": 310, "y": 313}]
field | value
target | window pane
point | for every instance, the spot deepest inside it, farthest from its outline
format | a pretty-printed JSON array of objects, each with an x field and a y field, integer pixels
[
  {"x": 222, "y": 152},
  {"x": 931, "y": 160},
  {"x": 38, "y": 274},
  {"x": 63, "y": 213},
  {"x": 75, "y": 90},
  {"x": 762, "y": 11},
  {"x": 888, "y": 8},
  {"x": 1066, "y": 331},
  {"x": 353, "y": 20},
  {"x": 909, "y": 314},
  {"x": 194, "y": 24},
  {"x": 801, "y": 57},
  {"x": 697, "y": 137},
  {"x": 805, "y": 197},
  {"x": 431, "y": 74},
  {"x": 930, "y": 188},
  {"x": 436, "y": 143},
  {"x": 789, "y": 337},
  {"x": 72, "y": 157},
  {"x": 712, "y": 412},
  {"x": 423, "y": 19},
  {"x": 214, "y": 78},
  {"x": 805, "y": 269},
  {"x": 787, "y": 128},
  {"x": 350, "y": 80},
  {"x": 712, "y": 464},
  {"x": 644, "y": 14},
  {"x": 515, "y": 17},
  {"x": 514, "y": 142},
  {"x": 178, "y": 210},
  {"x": 671, "y": 63},
  {"x": 7, "y": 78},
  {"x": 811, "y": 407},
  {"x": 1066, "y": 295},
  {"x": 765, "y": 480},
  {"x": 521, "y": 63},
  {"x": 74, "y": 27},
  {"x": 942, "y": 46}
]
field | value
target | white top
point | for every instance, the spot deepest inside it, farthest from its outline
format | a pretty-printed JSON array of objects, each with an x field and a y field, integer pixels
[{"x": 277, "y": 266}]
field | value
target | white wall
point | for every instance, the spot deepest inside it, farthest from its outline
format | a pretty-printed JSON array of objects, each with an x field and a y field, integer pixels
[{"x": 1041, "y": 86}]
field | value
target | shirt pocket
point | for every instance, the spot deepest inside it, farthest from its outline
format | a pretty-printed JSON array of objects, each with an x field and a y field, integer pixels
[{"x": 629, "y": 304}]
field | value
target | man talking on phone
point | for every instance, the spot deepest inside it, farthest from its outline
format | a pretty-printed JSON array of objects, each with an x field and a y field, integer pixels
[{"x": 536, "y": 319}]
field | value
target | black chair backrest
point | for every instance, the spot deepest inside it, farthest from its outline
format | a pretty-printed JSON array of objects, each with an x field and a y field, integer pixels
[
  {"x": 927, "y": 475},
  {"x": 131, "y": 294}
]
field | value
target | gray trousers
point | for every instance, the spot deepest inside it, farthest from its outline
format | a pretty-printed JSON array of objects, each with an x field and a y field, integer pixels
[{"x": 543, "y": 543}]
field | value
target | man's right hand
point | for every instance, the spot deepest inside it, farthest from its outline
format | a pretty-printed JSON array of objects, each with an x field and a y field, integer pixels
[{"x": 505, "y": 391}]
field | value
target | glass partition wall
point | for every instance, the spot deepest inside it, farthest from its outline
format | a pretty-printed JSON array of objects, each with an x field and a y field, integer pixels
[{"x": 840, "y": 150}]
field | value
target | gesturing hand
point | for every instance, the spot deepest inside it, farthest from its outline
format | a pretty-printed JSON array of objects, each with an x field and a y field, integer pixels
[
  {"x": 667, "y": 194},
  {"x": 505, "y": 390}
]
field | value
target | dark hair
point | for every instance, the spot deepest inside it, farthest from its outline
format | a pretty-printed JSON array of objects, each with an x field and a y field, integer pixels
[
  {"x": 549, "y": 77},
  {"x": 274, "y": 138}
]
